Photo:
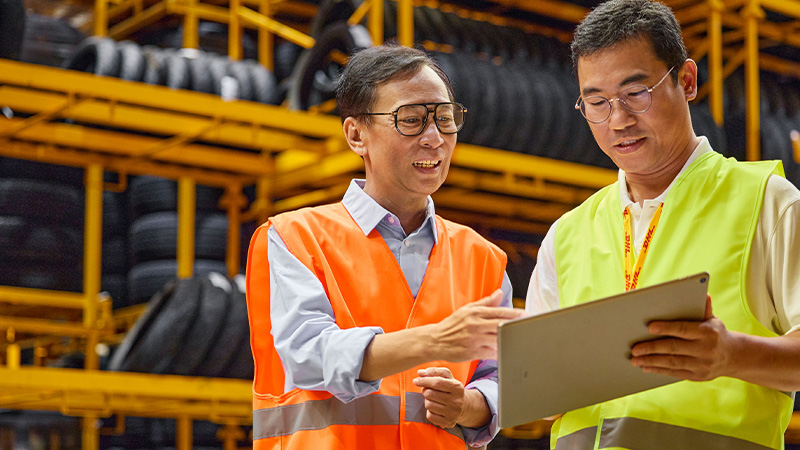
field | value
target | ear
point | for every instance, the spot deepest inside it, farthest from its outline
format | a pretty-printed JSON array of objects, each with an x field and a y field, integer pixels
[
  {"x": 354, "y": 133},
  {"x": 687, "y": 77}
]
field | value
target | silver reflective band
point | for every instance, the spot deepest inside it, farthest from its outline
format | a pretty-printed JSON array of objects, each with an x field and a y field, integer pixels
[
  {"x": 319, "y": 414},
  {"x": 579, "y": 440},
  {"x": 640, "y": 434}
]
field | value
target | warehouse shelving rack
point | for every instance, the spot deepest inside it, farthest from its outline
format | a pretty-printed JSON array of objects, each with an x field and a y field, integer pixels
[{"x": 298, "y": 158}]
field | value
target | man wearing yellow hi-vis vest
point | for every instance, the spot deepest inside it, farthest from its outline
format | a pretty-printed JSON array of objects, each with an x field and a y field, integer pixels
[{"x": 678, "y": 208}]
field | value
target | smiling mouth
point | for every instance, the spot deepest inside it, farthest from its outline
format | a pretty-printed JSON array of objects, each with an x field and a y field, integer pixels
[
  {"x": 426, "y": 164},
  {"x": 629, "y": 143}
]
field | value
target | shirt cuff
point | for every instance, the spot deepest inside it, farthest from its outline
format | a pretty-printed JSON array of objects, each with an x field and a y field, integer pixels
[
  {"x": 480, "y": 436},
  {"x": 343, "y": 366}
]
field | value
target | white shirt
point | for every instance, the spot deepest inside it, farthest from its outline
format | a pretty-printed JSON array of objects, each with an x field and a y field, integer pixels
[{"x": 773, "y": 274}]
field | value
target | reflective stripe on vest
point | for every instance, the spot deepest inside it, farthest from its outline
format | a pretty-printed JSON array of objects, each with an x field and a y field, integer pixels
[
  {"x": 319, "y": 414},
  {"x": 629, "y": 432}
]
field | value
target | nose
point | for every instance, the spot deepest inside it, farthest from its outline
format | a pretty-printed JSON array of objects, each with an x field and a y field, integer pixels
[
  {"x": 431, "y": 136},
  {"x": 620, "y": 117}
]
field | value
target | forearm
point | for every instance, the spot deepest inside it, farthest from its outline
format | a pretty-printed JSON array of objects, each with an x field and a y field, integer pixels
[
  {"x": 391, "y": 353},
  {"x": 476, "y": 410},
  {"x": 768, "y": 361}
]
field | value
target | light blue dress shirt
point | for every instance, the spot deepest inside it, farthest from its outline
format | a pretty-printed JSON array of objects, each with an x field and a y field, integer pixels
[{"x": 317, "y": 354}]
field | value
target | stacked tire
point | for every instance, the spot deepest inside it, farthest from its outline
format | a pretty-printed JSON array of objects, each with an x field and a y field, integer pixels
[
  {"x": 153, "y": 234},
  {"x": 178, "y": 69}
]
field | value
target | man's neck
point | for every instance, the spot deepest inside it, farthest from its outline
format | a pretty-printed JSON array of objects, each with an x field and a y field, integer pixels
[
  {"x": 411, "y": 213},
  {"x": 648, "y": 186}
]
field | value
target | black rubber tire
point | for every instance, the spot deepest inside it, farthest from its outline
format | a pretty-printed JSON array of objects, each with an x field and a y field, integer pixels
[
  {"x": 26, "y": 242},
  {"x": 146, "y": 279},
  {"x": 241, "y": 365},
  {"x": 126, "y": 354},
  {"x": 12, "y": 28},
  {"x": 488, "y": 115},
  {"x": 262, "y": 82},
  {"x": 468, "y": 92},
  {"x": 235, "y": 333},
  {"x": 286, "y": 56},
  {"x": 115, "y": 256},
  {"x": 49, "y": 41},
  {"x": 47, "y": 203},
  {"x": 213, "y": 309},
  {"x": 155, "y": 66},
  {"x": 155, "y": 236},
  {"x": 315, "y": 75},
  {"x": 177, "y": 71},
  {"x": 42, "y": 275},
  {"x": 199, "y": 73},
  {"x": 218, "y": 69},
  {"x": 166, "y": 336},
  {"x": 238, "y": 71},
  {"x": 132, "y": 63},
  {"x": 116, "y": 285},
  {"x": 21, "y": 168},
  {"x": 96, "y": 55},
  {"x": 330, "y": 12},
  {"x": 148, "y": 194},
  {"x": 525, "y": 113},
  {"x": 115, "y": 221}
]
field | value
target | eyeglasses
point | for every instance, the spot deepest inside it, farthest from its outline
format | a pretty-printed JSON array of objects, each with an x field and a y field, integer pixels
[
  {"x": 410, "y": 120},
  {"x": 636, "y": 99}
]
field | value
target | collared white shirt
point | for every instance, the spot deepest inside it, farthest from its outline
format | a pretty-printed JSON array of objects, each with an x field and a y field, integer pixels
[
  {"x": 315, "y": 352},
  {"x": 773, "y": 274}
]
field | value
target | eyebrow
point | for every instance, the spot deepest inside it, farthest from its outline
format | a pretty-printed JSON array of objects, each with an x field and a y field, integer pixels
[{"x": 631, "y": 79}]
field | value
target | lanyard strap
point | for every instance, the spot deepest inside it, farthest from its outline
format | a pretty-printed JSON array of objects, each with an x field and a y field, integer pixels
[{"x": 632, "y": 271}]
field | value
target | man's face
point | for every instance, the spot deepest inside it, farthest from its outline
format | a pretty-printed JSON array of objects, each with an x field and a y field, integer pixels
[
  {"x": 643, "y": 143},
  {"x": 405, "y": 168}
]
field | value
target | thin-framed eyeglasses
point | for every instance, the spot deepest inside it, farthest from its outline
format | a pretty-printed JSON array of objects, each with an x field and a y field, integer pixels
[
  {"x": 410, "y": 120},
  {"x": 636, "y": 99}
]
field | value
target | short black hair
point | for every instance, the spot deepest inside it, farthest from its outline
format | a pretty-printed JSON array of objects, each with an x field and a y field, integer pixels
[
  {"x": 356, "y": 89},
  {"x": 618, "y": 20}
]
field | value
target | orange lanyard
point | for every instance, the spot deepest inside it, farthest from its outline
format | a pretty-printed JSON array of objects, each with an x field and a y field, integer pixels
[{"x": 632, "y": 271}]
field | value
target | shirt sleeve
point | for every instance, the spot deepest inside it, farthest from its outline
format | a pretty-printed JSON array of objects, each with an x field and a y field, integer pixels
[
  {"x": 783, "y": 255},
  {"x": 485, "y": 380},
  {"x": 543, "y": 287},
  {"x": 316, "y": 354}
]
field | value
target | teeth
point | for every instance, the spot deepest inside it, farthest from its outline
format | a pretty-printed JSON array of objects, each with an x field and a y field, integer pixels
[
  {"x": 425, "y": 164},
  {"x": 629, "y": 142}
]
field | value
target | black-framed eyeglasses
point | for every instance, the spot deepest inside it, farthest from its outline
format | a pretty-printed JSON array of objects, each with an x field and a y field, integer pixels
[
  {"x": 636, "y": 99},
  {"x": 410, "y": 120}
]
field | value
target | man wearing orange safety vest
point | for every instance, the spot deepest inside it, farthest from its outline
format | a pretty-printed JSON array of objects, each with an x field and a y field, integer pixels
[
  {"x": 373, "y": 320},
  {"x": 686, "y": 209}
]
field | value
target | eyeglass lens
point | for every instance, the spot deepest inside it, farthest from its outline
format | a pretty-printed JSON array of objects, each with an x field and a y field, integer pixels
[
  {"x": 411, "y": 119},
  {"x": 636, "y": 99}
]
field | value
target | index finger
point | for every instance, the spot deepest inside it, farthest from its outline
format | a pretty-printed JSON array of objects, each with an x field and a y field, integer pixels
[
  {"x": 442, "y": 372},
  {"x": 684, "y": 329}
]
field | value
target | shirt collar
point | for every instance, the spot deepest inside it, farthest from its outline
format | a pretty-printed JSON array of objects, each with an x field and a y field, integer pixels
[
  {"x": 625, "y": 199},
  {"x": 368, "y": 213}
]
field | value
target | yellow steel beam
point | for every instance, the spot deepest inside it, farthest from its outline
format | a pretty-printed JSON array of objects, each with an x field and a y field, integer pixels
[
  {"x": 234, "y": 203},
  {"x": 494, "y": 223},
  {"x": 140, "y": 20},
  {"x": 157, "y": 121},
  {"x": 41, "y": 297},
  {"x": 118, "y": 163},
  {"x": 360, "y": 12},
  {"x": 186, "y": 227},
  {"x": 191, "y": 39},
  {"x": 549, "y": 8},
  {"x": 405, "y": 22},
  {"x": 752, "y": 14},
  {"x": 791, "y": 8},
  {"x": 136, "y": 147},
  {"x": 327, "y": 167},
  {"x": 234, "y": 31},
  {"x": 45, "y": 327},
  {"x": 312, "y": 198},
  {"x": 183, "y": 433},
  {"x": 73, "y": 391},
  {"x": 92, "y": 238},
  {"x": 290, "y": 34},
  {"x": 375, "y": 21},
  {"x": 266, "y": 41},
  {"x": 489, "y": 204},
  {"x": 480, "y": 158},
  {"x": 795, "y": 137},
  {"x": 81, "y": 84},
  {"x": 100, "y": 17},
  {"x": 715, "y": 60}
]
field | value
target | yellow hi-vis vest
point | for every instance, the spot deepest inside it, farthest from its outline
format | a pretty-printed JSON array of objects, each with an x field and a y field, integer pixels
[
  {"x": 366, "y": 287},
  {"x": 708, "y": 223}
]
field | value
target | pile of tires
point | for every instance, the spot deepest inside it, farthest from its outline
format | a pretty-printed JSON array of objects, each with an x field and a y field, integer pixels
[
  {"x": 178, "y": 69},
  {"x": 196, "y": 326},
  {"x": 153, "y": 234}
]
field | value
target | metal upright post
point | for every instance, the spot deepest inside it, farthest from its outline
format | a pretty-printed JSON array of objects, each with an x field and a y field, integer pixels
[
  {"x": 186, "y": 225},
  {"x": 752, "y": 13}
]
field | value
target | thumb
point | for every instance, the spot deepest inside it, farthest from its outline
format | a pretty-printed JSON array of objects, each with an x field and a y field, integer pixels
[
  {"x": 492, "y": 299},
  {"x": 709, "y": 312}
]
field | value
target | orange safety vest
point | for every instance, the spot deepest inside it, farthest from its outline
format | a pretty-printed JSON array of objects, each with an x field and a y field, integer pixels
[{"x": 366, "y": 287}]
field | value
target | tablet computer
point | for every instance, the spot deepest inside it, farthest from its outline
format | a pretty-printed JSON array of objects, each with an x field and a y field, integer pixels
[{"x": 578, "y": 356}]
